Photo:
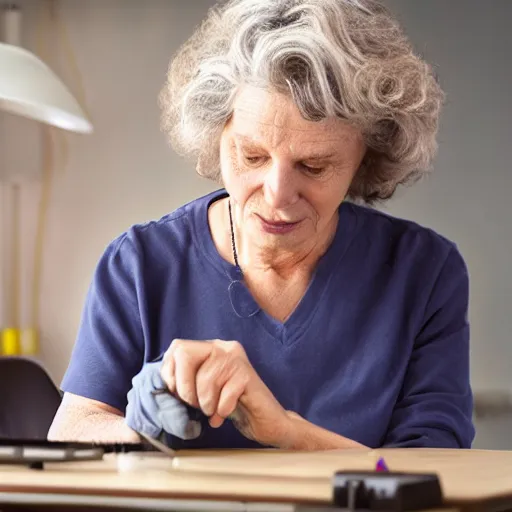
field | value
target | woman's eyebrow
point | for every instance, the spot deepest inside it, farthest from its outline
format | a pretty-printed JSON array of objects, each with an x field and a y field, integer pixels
[
  {"x": 313, "y": 156},
  {"x": 319, "y": 156}
]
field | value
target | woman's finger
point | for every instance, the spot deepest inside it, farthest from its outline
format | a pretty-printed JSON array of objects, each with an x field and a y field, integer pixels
[
  {"x": 187, "y": 356},
  {"x": 223, "y": 362},
  {"x": 210, "y": 379},
  {"x": 167, "y": 373},
  {"x": 229, "y": 396}
]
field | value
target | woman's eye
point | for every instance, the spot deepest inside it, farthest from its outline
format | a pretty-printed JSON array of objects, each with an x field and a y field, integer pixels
[
  {"x": 312, "y": 170},
  {"x": 253, "y": 160}
]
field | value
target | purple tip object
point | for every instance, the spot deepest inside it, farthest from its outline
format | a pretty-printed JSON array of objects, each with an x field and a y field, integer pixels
[{"x": 381, "y": 465}]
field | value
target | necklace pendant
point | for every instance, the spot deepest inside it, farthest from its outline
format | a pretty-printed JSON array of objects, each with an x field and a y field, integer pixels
[{"x": 242, "y": 301}]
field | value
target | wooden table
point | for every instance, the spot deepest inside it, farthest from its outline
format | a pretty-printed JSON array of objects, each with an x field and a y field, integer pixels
[{"x": 250, "y": 480}]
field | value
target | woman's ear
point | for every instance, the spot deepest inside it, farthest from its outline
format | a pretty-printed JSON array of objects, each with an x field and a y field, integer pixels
[
  {"x": 360, "y": 181},
  {"x": 208, "y": 166}
]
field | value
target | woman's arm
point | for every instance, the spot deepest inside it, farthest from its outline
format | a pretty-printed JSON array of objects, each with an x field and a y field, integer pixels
[
  {"x": 85, "y": 420},
  {"x": 107, "y": 354},
  {"x": 434, "y": 408},
  {"x": 304, "y": 435}
]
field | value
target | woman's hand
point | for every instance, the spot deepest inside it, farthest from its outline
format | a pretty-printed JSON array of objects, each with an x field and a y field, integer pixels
[{"x": 217, "y": 377}]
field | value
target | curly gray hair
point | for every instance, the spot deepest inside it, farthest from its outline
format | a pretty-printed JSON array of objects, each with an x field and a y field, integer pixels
[{"x": 342, "y": 58}]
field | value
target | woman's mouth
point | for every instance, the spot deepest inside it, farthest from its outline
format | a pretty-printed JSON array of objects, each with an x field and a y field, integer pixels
[{"x": 277, "y": 227}]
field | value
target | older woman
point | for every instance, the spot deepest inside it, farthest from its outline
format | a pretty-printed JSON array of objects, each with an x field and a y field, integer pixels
[{"x": 282, "y": 310}]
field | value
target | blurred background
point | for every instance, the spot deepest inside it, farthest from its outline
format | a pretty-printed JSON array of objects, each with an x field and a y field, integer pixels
[{"x": 65, "y": 195}]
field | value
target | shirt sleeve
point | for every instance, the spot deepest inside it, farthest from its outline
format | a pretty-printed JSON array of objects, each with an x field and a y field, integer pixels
[
  {"x": 435, "y": 405},
  {"x": 109, "y": 348}
]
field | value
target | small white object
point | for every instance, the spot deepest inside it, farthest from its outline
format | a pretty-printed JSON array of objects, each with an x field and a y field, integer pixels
[
  {"x": 143, "y": 461},
  {"x": 127, "y": 462}
]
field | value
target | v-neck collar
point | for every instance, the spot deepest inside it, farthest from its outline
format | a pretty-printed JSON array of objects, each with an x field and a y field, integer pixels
[{"x": 292, "y": 328}]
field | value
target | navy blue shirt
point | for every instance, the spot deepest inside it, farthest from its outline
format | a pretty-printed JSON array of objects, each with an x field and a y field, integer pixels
[{"x": 377, "y": 350}]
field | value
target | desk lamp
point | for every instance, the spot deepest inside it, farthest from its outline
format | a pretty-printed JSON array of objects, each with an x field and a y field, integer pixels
[{"x": 28, "y": 87}]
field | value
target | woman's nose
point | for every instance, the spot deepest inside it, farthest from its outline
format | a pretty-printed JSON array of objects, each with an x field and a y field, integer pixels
[{"x": 281, "y": 186}]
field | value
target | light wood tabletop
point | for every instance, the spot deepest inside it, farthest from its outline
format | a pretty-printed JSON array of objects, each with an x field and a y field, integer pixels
[{"x": 476, "y": 479}]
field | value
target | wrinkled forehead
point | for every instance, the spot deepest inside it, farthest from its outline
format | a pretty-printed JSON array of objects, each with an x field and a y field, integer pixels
[{"x": 271, "y": 119}]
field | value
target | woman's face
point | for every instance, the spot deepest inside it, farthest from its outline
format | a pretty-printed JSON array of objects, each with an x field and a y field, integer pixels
[{"x": 286, "y": 176}]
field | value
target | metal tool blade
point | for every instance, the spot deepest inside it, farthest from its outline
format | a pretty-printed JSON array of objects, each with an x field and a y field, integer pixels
[{"x": 161, "y": 447}]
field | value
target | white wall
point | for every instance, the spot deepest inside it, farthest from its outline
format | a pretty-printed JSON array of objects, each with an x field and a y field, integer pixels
[{"x": 125, "y": 173}]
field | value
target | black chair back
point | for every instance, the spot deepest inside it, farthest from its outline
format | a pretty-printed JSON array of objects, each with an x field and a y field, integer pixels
[{"x": 28, "y": 399}]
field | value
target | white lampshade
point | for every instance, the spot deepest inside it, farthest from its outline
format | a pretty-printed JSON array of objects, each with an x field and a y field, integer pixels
[{"x": 28, "y": 87}]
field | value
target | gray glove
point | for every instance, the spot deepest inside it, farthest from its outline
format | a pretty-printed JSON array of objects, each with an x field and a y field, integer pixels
[{"x": 151, "y": 409}]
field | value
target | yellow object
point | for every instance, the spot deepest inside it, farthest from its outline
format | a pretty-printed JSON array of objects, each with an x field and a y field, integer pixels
[
  {"x": 29, "y": 342},
  {"x": 11, "y": 345}
]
